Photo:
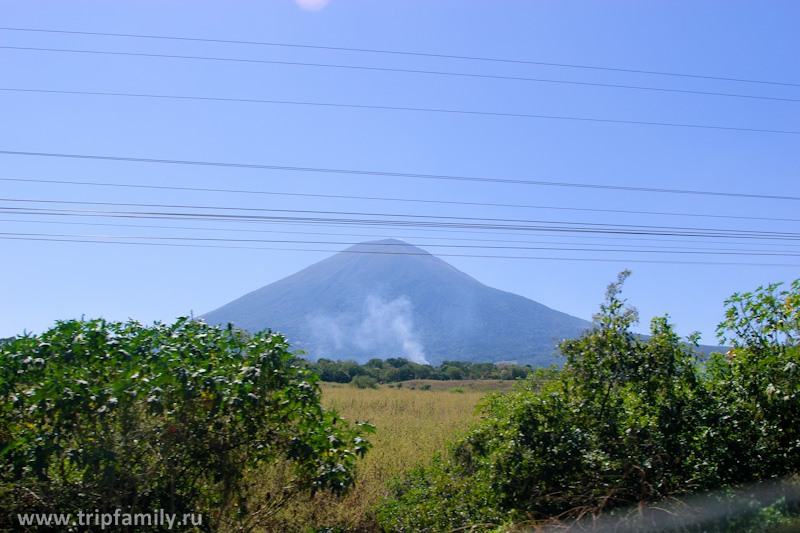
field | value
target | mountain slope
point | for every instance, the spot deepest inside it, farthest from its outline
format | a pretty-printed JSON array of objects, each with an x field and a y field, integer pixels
[{"x": 390, "y": 299}]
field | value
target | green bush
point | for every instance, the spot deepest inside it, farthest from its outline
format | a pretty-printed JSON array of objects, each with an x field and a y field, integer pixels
[
  {"x": 757, "y": 386},
  {"x": 186, "y": 417},
  {"x": 626, "y": 423},
  {"x": 364, "y": 382}
]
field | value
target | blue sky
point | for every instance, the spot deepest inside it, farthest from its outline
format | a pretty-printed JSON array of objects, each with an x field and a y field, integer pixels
[{"x": 58, "y": 278}]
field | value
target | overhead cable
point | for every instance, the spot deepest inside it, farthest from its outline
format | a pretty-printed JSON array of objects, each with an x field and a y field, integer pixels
[
  {"x": 401, "y": 71},
  {"x": 408, "y": 53},
  {"x": 397, "y": 175},
  {"x": 398, "y": 215},
  {"x": 582, "y": 259},
  {"x": 426, "y": 238},
  {"x": 400, "y": 245},
  {"x": 543, "y": 227},
  {"x": 413, "y": 109},
  {"x": 425, "y": 231},
  {"x": 405, "y": 200}
]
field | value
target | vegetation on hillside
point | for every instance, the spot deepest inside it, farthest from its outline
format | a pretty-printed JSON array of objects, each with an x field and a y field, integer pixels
[{"x": 626, "y": 423}]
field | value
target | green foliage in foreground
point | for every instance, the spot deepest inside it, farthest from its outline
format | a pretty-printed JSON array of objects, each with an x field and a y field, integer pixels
[
  {"x": 627, "y": 422},
  {"x": 184, "y": 417}
]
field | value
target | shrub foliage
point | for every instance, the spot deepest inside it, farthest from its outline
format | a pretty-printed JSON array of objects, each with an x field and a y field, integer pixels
[
  {"x": 96, "y": 415},
  {"x": 627, "y": 422}
]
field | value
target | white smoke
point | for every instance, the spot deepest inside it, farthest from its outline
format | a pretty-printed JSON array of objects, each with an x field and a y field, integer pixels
[
  {"x": 331, "y": 329},
  {"x": 389, "y": 323},
  {"x": 382, "y": 328}
]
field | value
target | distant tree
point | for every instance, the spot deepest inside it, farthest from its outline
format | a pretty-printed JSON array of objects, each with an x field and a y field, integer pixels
[
  {"x": 423, "y": 371},
  {"x": 405, "y": 372},
  {"x": 375, "y": 363},
  {"x": 397, "y": 362},
  {"x": 353, "y": 369},
  {"x": 364, "y": 382},
  {"x": 463, "y": 365},
  {"x": 482, "y": 370},
  {"x": 454, "y": 372},
  {"x": 391, "y": 375},
  {"x": 331, "y": 371}
]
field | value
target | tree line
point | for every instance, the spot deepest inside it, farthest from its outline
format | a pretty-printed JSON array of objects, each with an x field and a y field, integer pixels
[{"x": 393, "y": 370}]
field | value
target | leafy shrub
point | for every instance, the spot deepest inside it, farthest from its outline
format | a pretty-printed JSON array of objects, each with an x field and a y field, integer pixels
[
  {"x": 364, "y": 382},
  {"x": 627, "y": 422},
  {"x": 757, "y": 386},
  {"x": 185, "y": 417},
  {"x": 439, "y": 497},
  {"x": 457, "y": 390},
  {"x": 425, "y": 386}
]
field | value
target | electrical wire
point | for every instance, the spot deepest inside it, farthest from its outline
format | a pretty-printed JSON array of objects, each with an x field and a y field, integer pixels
[
  {"x": 408, "y": 53},
  {"x": 425, "y": 231},
  {"x": 399, "y": 245},
  {"x": 400, "y": 71},
  {"x": 242, "y": 230},
  {"x": 409, "y": 200},
  {"x": 581, "y": 259},
  {"x": 572, "y": 228},
  {"x": 398, "y": 175},
  {"x": 399, "y": 215},
  {"x": 399, "y": 108}
]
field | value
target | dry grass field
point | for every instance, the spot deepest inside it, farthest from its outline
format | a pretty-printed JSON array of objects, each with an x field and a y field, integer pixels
[{"x": 411, "y": 424}]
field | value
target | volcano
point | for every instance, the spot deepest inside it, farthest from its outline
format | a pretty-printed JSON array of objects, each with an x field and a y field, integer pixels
[{"x": 387, "y": 298}]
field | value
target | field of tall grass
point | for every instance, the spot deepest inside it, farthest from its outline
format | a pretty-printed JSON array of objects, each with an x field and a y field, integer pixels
[{"x": 411, "y": 424}]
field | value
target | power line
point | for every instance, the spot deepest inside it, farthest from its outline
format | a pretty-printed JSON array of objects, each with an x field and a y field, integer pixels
[
  {"x": 402, "y": 215},
  {"x": 408, "y": 200},
  {"x": 394, "y": 108},
  {"x": 582, "y": 259},
  {"x": 418, "y": 109},
  {"x": 373, "y": 107},
  {"x": 544, "y": 227},
  {"x": 398, "y": 175},
  {"x": 241, "y": 230},
  {"x": 400, "y": 71},
  {"x": 397, "y": 245},
  {"x": 414, "y": 54},
  {"x": 302, "y": 223}
]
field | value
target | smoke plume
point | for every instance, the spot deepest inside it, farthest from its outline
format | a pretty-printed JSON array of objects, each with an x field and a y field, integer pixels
[{"x": 381, "y": 329}]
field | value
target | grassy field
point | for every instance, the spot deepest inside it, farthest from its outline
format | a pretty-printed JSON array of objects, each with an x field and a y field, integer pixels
[{"x": 411, "y": 424}]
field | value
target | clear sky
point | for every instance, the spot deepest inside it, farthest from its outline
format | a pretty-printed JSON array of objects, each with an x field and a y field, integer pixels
[{"x": 563, "y": 244}]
